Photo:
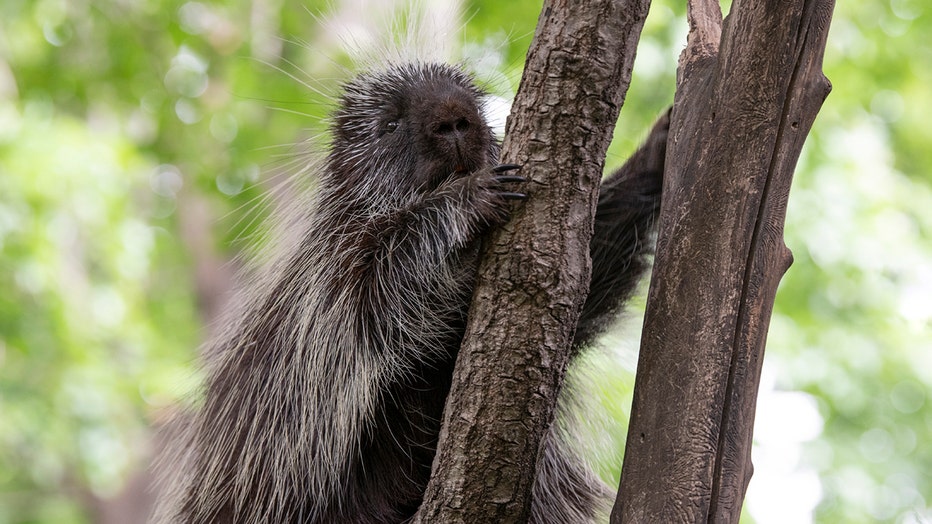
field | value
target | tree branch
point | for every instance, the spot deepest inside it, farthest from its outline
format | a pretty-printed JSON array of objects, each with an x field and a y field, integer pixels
[
  {"x": 740, "y": 118},
  {"x": 535, "y": 272}
]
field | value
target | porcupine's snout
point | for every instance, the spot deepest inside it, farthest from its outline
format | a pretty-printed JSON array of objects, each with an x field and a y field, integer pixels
[{"x": 458, "y": 133}]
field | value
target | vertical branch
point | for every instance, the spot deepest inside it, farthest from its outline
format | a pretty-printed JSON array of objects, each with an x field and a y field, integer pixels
[
  {"x": 535, "y": 271},
  {"x": 740, "y": 118},
  {"x": 705, "y": 30},
  {"x": 768, "y": 261}
]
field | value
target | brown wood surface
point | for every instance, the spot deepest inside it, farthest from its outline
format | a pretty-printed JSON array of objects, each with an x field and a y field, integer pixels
[
  {"x": 743, "y": 108},
  {"x": 535, "y": 272}
]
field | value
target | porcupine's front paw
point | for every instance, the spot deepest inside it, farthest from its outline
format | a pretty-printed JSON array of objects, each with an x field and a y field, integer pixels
[{"x": 490, "y": 190}]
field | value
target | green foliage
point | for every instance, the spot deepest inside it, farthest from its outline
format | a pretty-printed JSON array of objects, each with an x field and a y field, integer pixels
[
  {"x": 853, "y": 316},
  {"x": 119, "y": 121},
  {"x": 91, "y": 281}
]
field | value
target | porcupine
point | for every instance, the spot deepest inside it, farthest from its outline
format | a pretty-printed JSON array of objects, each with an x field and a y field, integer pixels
[{"x": 325, "y": 394}]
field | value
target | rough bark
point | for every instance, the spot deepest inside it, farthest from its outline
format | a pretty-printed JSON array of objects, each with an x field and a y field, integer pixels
[
  {"x": 747, "y": 96},
  {"x": 535, "y": 272}
]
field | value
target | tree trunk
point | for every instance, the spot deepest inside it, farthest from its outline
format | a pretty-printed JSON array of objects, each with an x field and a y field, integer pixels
[
  {"x": 535, "y": 271},
  {"x": 746, "y": 98}
]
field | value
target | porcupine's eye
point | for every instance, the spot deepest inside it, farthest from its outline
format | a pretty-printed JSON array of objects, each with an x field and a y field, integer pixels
[{"x": 389, "y": 127}]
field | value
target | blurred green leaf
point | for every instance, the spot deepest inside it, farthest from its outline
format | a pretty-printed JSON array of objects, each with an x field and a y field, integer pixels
[{"x": 142, "y": 142}]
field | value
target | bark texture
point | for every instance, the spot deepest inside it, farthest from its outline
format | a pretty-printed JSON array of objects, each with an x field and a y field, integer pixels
[
  {"x": 747, "y": 95},
  {"x": 535, "y": 272}
]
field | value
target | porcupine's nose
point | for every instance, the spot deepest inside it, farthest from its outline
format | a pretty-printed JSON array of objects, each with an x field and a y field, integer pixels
[
  {"x": 453, "y": 129},
  {"x": 456, "y": 127}
]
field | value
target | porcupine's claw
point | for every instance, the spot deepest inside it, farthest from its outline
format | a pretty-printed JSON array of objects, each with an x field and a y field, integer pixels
[
  {"x": 506, "y": 179},
  {"x": 513, "y": 196},
  {"x": 506, "y": 167}
]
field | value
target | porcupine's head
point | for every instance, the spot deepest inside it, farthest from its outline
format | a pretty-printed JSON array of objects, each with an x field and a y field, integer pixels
[{"x": 407, "y": 128}]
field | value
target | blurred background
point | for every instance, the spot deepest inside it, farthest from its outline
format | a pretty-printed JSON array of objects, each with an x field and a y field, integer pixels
[{"x": 142, "y": 142}]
